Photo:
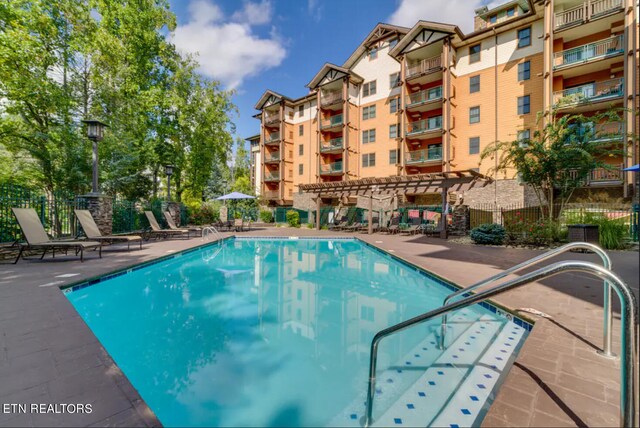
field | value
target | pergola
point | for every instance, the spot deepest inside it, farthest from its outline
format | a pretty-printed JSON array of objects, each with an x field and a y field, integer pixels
[{"x": 437, "y": 182}]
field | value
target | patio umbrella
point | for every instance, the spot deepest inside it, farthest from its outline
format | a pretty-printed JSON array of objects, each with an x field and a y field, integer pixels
[
  {"x": 634, "y": 168},
  {"x": 233, "y": 196}
]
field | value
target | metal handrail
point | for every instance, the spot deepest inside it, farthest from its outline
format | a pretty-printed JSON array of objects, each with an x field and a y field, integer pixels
[
  {"x": 628, "y": 310},
  {"x": 211, "y": 229},
  {"x": 606, "y": 262}
]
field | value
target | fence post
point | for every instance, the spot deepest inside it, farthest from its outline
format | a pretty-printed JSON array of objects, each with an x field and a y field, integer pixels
[{"x": 43, "y": 200}]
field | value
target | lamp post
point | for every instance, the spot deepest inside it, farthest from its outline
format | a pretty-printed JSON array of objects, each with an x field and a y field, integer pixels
[
  {"x": 95, "y": 132},
  {"x": 168, "y": 169}
]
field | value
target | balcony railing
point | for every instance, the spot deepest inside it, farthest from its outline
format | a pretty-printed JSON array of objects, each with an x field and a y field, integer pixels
[
  {"x": 331, "y": 145},
  {"x": 424, "y": 125},
  {"x": 424, "y": 66},
  {"x": 332, "y": 121},
  {"x": 589, "y": 52},
  {"x": 603, "y": 176},
  {"x": 592, "y": 92},
  {"x": 601, "y": 132},
  {"x": 433, "y": 153},
  {"x": 272, "y": 157},
  {"x": 273, "y": 138},
  {"x": 424, "y": 96},
  {"x": 330, "y": 97},
  {"x": 271, "y": 194},
  {"x": 331, "y": 168},
  {"x": 271, "y": 118},
  {"x": 585, "y": 11},
  {"x": 272, "y": 176}
]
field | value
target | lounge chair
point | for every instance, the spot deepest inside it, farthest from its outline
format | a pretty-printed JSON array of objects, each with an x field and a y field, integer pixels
[
  {"x": 393, "y": 227},
  {"x": 172, "y": 225},
  {"x": 411, "y": 230},
  {"x": 238, "y": 225},
  {"x": 92, "y": 231},
  {"x": 365, "y": 226},
  {"x": 353, "y": 228},
  {"x": 37, "y": 238},
  {"x": 156, "y": 230}
]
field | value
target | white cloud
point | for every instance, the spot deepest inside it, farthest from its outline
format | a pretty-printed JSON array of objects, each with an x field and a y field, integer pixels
[
  {"x": 227, "y": 48},
  {"x": 457, "y": 12},
  {"x": 315, "y": 9}
]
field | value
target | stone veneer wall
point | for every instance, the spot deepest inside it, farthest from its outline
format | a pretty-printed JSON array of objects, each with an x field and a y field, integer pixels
[
  {"x": 501, "y": 192},
  {"x": 101, "y": 209},
  {"x": 174, "y": 210}
]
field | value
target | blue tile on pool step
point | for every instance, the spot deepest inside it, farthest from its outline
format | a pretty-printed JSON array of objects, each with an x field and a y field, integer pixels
[
  {"x": 473, "y": 398},
  {"x": 410, "y": 406},
  {"x": 432, "y": 383},
  {"x": 454, "y": 426},
  {"x": 398, "y": 421},
  {"x": 422, "y": 394},
  {"x": 465, "y": 411},
  {"x": 441, "y": 373},
  {"x": 488, "y": 376},
  {"x": 354, "y": 416},
  {"x": 481, "y": 386}
]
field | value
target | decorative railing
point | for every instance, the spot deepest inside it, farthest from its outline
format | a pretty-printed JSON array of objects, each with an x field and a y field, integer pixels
[
  {"x": 603, "y": 175},
  {"x": 272, "y": 157},
  {"x": 333, "y": 144},
  {"x": 423, "y": 66},
  {"x": 601, "y": 132},
  {"x": 271, "y": 117},
  {"x": 273, "y": 138},
  {"x": 331, "y": 168},
  {"x": 272, "y": 176},
  {"x": 271, "y": 194},
  {"x": 330, "y": 97},
  {"x": 592, "y": 92},
  {"x": 587, "y": 10},
  {"x": 431, "y": 94},
  {"x": 433, "y": 153},
  {"x": 591, "y": 51},
  {"x": 424, "y": 125},
  {"x": 332, "y": 121}
]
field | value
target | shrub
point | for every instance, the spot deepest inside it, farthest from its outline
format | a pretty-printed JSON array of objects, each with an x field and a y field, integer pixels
[
  {"x": 488, "y": 234},
  {"x": 266, "y": 216},
  {"x": 530, "y": 230},
  {"x": 309, "y": 225},
  {"x": 611, "y": 232},
  {"x": 293, "y": 218},
  {"x": 204, "y": 214}
]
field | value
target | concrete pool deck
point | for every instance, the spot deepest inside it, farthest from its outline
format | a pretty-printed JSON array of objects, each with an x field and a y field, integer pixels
[{"x": 49, "y": 355}]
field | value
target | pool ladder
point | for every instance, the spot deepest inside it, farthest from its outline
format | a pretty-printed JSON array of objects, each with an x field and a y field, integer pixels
[
  {"x": 213, "y": 230},
  {"x": 628, "y": 310}
]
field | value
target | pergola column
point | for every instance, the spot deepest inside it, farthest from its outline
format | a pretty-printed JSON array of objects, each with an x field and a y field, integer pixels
[
  {"x": 370, "y": 215},
  {"x": 443, "y": 217},
  {"x": 318, "y": 206}
]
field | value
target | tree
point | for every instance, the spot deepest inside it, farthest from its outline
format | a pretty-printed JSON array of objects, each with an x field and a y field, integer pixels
[{"x": 559, "y": 157}]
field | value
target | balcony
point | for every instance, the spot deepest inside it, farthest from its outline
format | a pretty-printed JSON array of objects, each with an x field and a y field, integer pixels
[
  {"x": 604, "y": 177},
  {"x": 330, "y": 98},
  {"x": 270, "y": 176},
  {"x": 424, "y": 128},
  {"x": 271, "y": 118},
  {"x": 422, "y": 67},
  {"x": 273, "y": 138},
  {"x": 334, "y": 168},
  {"x": 596, "y": 133},
  {"x": 590, "y": 52},
  {"x": 430, "y": 155},
  {"x": 273, "y": 157},
  {"x": 334, "y": 122},
  {"x": 586, "y": 11},
  {"x": 425, "y": 100},
  {"x": 332, "y": 146},
  {"x": 271, "y": 194},
  {"x": 592, "y": 93}
]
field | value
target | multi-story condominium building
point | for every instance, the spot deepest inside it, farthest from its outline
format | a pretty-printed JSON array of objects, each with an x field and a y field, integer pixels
[{"x": 430, "y": 98}]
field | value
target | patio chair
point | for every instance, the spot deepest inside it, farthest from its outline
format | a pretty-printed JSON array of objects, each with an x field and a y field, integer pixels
[
  {"x": 353, "y": 228},
  {"x": 156, "y": 230},
  {"x": 172, "y": 225},
  {"x": 92, "y": 231},
  {"x": 341, "y": 224},
  {"x": 393, "y": 227},
  {"x": 365, "y": 226},
  {"x": 238, "y": 225},
  {"x": 412, "y": 229},
  {"x": 37, "y": 238}
]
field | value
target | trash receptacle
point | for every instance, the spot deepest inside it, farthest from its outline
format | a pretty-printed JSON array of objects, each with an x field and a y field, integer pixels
[{"x": 584, "y": 233}]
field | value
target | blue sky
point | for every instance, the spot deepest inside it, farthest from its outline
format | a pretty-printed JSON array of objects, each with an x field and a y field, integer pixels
[{"x": 254, "y": 45}]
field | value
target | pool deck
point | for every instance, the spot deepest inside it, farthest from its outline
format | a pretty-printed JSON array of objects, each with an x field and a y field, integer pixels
[{"x": 49, "y": 355}]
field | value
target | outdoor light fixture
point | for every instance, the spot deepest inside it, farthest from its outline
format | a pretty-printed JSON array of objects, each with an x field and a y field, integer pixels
[
  {"x": 95, "y": 132},
  {"x": 168, "y": 169}
]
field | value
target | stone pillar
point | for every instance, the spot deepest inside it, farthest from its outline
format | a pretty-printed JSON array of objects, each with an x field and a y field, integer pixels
[
  {"x": 101, "y": 208},
  {"x": 174, "y": 209},
  {"x": 461, "y": 221},
  {"x": 224, "y": 213}
]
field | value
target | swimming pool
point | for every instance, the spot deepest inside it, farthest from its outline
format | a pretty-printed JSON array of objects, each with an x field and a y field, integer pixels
[{"x": 276, "y": 332}]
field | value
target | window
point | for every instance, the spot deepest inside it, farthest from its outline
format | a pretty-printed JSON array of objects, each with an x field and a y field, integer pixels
[
  {"x": 301, "y": 150},
  {"x": 373, "y": 53},
  {"x": 474, "y": 53},
  {"x": 434, "y": 93},
  {"x": 300, "y": 169},
  {"x": 299, "y": 294},
  {"x": 394, "y": 104},
  {"x": 392, "y": 43},
  {"x": 367, "y": 313},
  {"x": 368, "y": 159},
  {"x": 291, "y": 135},
  {"x": 301, "y": 110},
  {"x": 369, "y": 88},
  {"x": 393, "y": 131},
  {"x": 368, "y": 112},
  {"x": 524, "y": 104},
  {"x": 291, "y": 114},
  {"x": 300, "y": 130},
  {"x": 524, "y": 37},
  {"x": 493, "y": 19},
  {"x": 394, "y": 80},
  {"x": 474, "y": 84},
  {"x": 474, "y": 145},
  {"x": 368, "y": 136},
  {"x": 393, "y": 156},
  {"x": 511, "y": 11},
  {"x": 524, "y": 71},
  {"x": 523, "y": 137},
  {"x": 474, "y": 114}
]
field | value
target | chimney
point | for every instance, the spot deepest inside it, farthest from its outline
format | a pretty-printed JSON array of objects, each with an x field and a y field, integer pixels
[{"x": 479, "y": 21}]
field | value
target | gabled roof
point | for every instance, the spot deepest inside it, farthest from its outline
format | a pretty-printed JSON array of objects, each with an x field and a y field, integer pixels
[
  {"x": 380, "y": 31},
  {"x": 328, "y": 68},
  {"x": 436, "y": 27},
  {"x": 253, "y": 138},
  {"x": 266, "y": 96}
]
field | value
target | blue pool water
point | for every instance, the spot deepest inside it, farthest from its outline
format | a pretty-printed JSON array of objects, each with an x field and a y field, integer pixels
[{"x": 277, "y": 333}]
